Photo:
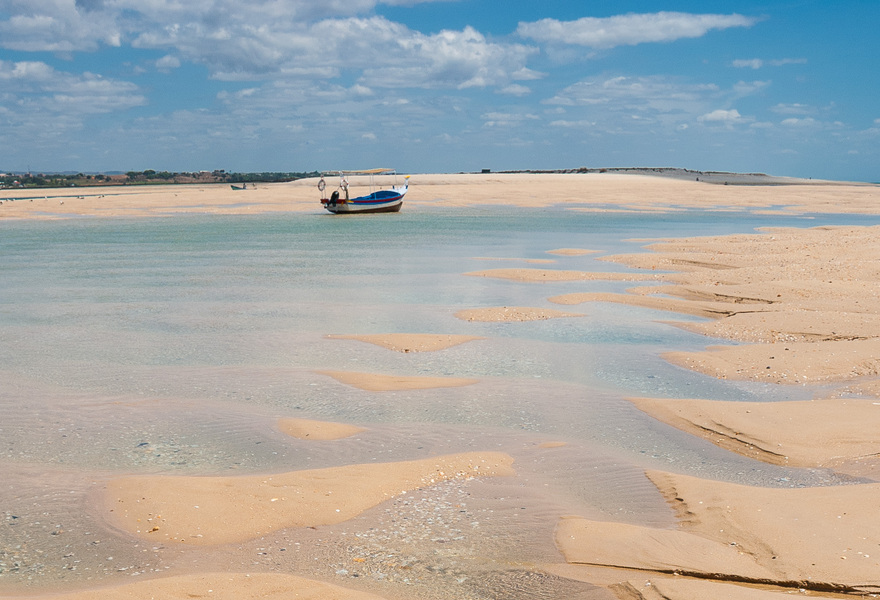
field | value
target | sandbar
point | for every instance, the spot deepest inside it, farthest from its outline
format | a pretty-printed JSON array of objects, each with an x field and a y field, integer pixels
[
  {"x": 805, "y": 301},
  {"x": 219, "y": 510},
  {"x": 410, "y": 342},
  {"x": 555, "y": 275},
  {"x": 307, "y": 429},
  {"x": 218, "y": 586},
  {"x": 821, "y": 539},
  {"x": 376, "y": 382},
  {"x": 631, "y": 191},
  {"x": 811, "y": 433},
  {"x": 571, "y": 251},
  {"x": 511, "y": 314}
]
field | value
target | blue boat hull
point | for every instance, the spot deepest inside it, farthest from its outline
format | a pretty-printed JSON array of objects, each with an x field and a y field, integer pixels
[{"x": 377, "y": 202}]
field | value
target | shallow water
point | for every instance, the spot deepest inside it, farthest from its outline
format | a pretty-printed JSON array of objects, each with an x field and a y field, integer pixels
[{"x": 173, "y": 345}]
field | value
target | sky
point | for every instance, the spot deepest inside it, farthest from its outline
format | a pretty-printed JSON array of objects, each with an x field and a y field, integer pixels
[{"x": 784, "y": 87}]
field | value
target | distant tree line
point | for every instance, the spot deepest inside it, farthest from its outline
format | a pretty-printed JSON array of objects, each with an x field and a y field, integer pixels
[{"x": 148, "y": 176}]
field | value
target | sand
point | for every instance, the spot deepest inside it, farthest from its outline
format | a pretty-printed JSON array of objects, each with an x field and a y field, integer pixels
[
  {"x": 207, "y": 511},
  {"x": 571, "y": 251},
  {"x": 377, "y": 382},
  {"x": 511, "y": 314},
  {"x": 645, "y": 191},
  {"x": 555, "y": 275},
  {"x": 823, "y": 539},
  {"x": 218, "y": 586},
  {"x": 822, "y": 433},
  {"x": 411, "y": 342},
  {"x": 306, "y": 429},
  {"x": 805, "y": 306}
]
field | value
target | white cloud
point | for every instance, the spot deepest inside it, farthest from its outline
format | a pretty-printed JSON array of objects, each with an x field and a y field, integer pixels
[
  {"x": 751, "y": 63},
  {"x": 515, "y": 89},
  {"x": 271, "y": 39},
  {"x": 570, "y": 124},
  {"x": 45, "y": 89},
  {"x": 637, "y": 94},
  {"x": 796, "y": 122},
  {"x": 757, "y": 63},
  {"x": 167, "y": 63},
  {"x": 629, "y": 29},
  {"x": 499, "y": 119},
  {"x": 794, "y": 109},
  {"x": 44, "y": 106},
  {"x": 56, "y": 26},
  {"x": 721, "y": 116}
]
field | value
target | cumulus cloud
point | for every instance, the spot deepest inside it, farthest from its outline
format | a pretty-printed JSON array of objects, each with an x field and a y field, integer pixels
[
  {"x": 757, "y": 63},
  {"x": 807, "y": 122},
  {"x": 751, "y": 63},
  {"x": 515, "y": 89},
  {"x": 499, "y": 119},
  {"x": 633, "y": 94},
  {"x": 271, "y": 39},
  {"x": 629, "y": 29},
  {"x": 51, "y": 90},
  {"x": 721, "y": 116},
  {"x": 42, "y": 104},
  {"x": 167, "y": 63},
  {"x": 60, "y": 26},
  {"x": 794, "y": 109}
]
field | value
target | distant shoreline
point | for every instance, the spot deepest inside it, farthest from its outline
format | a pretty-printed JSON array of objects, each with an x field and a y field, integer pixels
[
  {"x": 717, "y": 177},
  {"x": 601, "y": 190},
  {"x": 219, "y": 178}
]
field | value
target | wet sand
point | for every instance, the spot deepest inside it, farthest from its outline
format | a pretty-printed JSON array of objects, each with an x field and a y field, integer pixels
[
  {"x": 511, "y": 313},
  {"x": 207, "y": 511},
  {"x": 732, "y": 533},
  {"x": 801, "y": 305},
  {"x": 410, "y": 342},
  {"x": 220, "y": 586},
  {"x": 377, "y": 382},
  {"x": 805, "y": 307},
  {"x": 308, "y": 429}
]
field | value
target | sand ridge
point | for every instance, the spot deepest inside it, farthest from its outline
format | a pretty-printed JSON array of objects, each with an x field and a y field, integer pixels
[
  {"x": 806, "y": 300},
  {"x": 410, "y": 342},
  {"x": 307, "y": 429},
  {"x": 556, "y": 275},
  {"x": 744, "y": 534},
  {"x": 503, "y": 314},
  {"x": 219, "y": 510},
  {"x": 217, "y": 586},
  {"x": 812, "y": 433}
]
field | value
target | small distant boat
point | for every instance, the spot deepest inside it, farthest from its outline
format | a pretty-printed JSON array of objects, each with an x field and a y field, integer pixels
[
  {"x": 239, "y": 187},
  {"x": 378, "y": 201}
]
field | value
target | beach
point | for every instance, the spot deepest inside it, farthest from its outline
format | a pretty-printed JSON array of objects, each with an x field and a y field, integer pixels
[{"x": 626, "y": 385}]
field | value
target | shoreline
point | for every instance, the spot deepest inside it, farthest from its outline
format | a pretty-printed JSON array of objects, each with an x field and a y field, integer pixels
[{"x": 628, "y": 190}]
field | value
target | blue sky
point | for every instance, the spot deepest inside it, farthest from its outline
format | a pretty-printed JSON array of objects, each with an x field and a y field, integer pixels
[{"x": 782, "y": 87}]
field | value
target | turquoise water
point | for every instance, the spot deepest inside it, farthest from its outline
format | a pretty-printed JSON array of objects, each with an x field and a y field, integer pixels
[{"x": 172, "y": 345}]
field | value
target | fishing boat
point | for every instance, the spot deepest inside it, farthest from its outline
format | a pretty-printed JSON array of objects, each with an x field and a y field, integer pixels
[{"x": 376, "y": 201}]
